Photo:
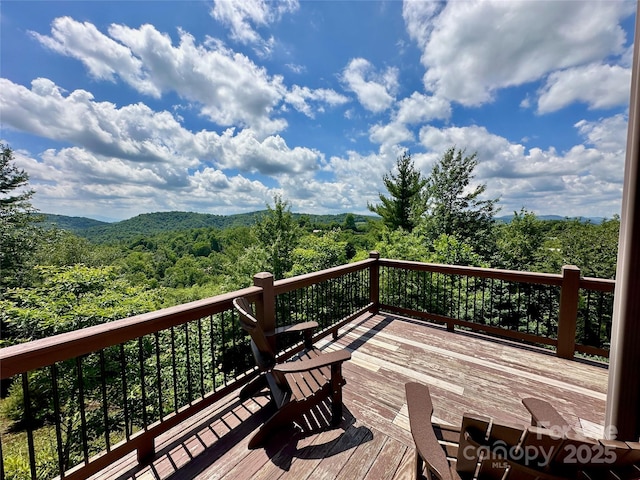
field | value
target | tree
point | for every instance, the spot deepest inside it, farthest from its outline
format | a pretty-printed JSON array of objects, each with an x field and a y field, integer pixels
[
  {"x": 592, "y": 247},
  {"x": 18, "y": 234},
  {"x": 520, "y": 242},
  {"x": 457, "y": 209},
  {"x": 350, "y": 222},
  {"x": 404, "y": 206},
  {"x": 277, "y": 232},
  {"x": 315, "y": 253}
]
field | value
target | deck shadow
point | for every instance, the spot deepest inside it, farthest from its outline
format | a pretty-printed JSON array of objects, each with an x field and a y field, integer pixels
[
  {"x": 216, "y": 435},
  {"x": 284, "y": 448}
]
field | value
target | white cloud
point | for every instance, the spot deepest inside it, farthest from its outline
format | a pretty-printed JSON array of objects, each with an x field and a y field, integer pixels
[
  {"x": 104, "y": 58},
  {"x": 394, "y": 133},
  {"x": 420, "y": 108},
  {"x": 608, "y": 134},
  {"x": 133, "y": 132},
  {"x": 120, "y": 189},
  {"x": 472, "y": 48},
  {"x": 245, "y": 151},
  {"x": 597, "y": 85},
  {"x": 229, "y": 87},
  {"x": 136, "y": 134},
  {"x": 299, "y": 97},
  {"x": 374, "y": 90},
  {"x": 585, "y": 181},
  {"x": 242, "y": 16}
]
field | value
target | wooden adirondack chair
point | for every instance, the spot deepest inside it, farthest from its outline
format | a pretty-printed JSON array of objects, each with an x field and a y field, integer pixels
[
  {"x": 298, "y": 385},
  {"x": 482, "y": 449},
  {"x": 544, "y": 415}
]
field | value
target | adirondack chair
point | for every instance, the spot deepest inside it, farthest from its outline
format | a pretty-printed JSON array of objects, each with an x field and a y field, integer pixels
[
  {"x": 482, "y": 449},
  {"x": 298, "y": 385},
  {"x": 544, "y": 415}
]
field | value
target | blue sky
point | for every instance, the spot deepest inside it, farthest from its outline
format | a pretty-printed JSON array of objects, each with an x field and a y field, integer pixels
[{"x": 125, "y": 107}]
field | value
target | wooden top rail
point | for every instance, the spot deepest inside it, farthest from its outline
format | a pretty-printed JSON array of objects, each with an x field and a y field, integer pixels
[
  {"x": 598, "y": 284},
  {"x": 289, "y": 284},
  {"x": 29, "y": 356},
  {"x": 509, "y": 275}
]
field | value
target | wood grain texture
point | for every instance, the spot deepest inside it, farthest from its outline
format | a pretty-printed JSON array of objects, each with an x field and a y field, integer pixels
[{"x": 466, "y": 373}]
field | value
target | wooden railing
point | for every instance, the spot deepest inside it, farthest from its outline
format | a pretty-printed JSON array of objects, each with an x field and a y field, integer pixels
[
  {"x": 105, "y": 391},
  {"x": 565, "y": 311}
]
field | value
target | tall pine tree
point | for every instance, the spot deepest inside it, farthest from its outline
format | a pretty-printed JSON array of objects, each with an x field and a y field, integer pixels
[
  {"x": 17, "y": 217},
  {"x": 402, "y": 208}
]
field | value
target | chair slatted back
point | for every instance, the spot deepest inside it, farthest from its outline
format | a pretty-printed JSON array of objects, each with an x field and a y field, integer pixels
[
  {"x": 496, "y": 451},
  {"x": 263, "y": 353}
]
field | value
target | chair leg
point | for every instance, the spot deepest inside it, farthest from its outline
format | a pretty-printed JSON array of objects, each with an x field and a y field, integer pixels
[
  {"x": 282, "y": 417},
  {"x": 418, "y": 466},
  {"x": 336, "y": 394},
  {"x": 286, "y": 415},
  {"x": 253, "y": 387}
]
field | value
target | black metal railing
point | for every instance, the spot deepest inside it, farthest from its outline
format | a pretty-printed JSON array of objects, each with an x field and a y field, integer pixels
[
  {"x": 521, "y": 305},
  {"x": 98, "y": 401}
]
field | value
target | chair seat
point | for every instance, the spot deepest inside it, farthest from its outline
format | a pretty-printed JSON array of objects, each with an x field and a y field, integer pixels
[{"x": 306, "y": 384}]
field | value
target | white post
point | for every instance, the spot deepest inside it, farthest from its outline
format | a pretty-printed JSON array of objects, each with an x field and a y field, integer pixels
[{"x": 623, "y": 396}]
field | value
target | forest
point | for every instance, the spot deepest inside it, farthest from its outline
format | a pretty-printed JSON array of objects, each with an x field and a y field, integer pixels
[{"x": 60, "y": 275}]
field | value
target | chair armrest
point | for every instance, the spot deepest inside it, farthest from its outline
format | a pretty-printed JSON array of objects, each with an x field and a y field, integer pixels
[
  {"x": 543, "y": 414},
  {"x": 420, "y": 409},
  {"x": 296, "y": 327},
  {"x": 317, "y": 362},
  {"x": 306, "y": 328}
]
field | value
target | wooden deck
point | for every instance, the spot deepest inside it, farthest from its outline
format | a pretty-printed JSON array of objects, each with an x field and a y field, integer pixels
[{"x": 465, "y": 373}]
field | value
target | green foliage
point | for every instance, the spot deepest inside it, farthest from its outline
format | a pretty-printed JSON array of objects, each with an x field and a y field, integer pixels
[
  {"x": 448, "y": 250},
  {"x": 18, "y": 233},
  {"x": 315, "y": 253},
  {"x": 69, "y": 298},
  {"x": 530, "y": 244},
  {"x": 16, "y": 457},
  {"x": 152, "y": 224},
  {"x": 401, "y": 245},
  {"x": 592, "y": 247},
  {"x": 277, "y": 232},
  {"x": 404, "y": 205},
  {"x": 520, "y": 243}
]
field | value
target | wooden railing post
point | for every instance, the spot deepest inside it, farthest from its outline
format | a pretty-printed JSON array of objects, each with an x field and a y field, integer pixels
[
  {"x": 374, "y": 283},
  {"x": 266, "y": 305},
  {"x": 145, "y": 451},
  {"x": 568, "y": 314}
]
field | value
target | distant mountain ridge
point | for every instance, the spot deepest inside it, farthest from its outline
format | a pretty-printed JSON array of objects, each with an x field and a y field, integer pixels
[
  {"x": 153, "y": 223},
  {"x": 508, "y": 218},
  {"x": 159, "y": 222}
]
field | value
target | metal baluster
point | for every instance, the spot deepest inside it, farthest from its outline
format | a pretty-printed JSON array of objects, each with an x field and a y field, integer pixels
[
  {"x": 56, "y": 414},
  {"x": 125, "y": 396},
  {"x": 29, "y": 422},
  {"x": 105, "y": 405},
  {"x": 223, "y": 349},
  {"x": 201, "y": 358},
  {"x": 143, "y": 382},
  {"x": 213, "y": 353},
  {"x": 83, "y": 417},
  {"x": 588, "y": 320},
  {"x": 187, "y": 348},
  {"x": 159, "y": 375}
]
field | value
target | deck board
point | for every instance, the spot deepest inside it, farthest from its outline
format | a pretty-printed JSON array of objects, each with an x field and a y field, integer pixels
[{"x": 465, "y": 373}]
